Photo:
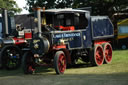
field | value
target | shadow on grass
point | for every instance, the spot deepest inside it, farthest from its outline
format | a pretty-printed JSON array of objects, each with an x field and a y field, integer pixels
[
  {"x": 50, "y": 71},
  {"x": 39, "y": 70},
  {"x": 19, "y": 72},
  {"x": 82, "y": 65},
  {"x": 42, "y": 77}
]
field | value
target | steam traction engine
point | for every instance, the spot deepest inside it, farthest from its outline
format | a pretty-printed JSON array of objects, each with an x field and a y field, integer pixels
[
  {"x": 65, "y": 35},
  {"x": 12, "y": 41}
]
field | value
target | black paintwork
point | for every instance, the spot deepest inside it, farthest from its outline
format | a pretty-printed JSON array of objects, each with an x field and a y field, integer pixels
[{"x": 96, "y": 28}]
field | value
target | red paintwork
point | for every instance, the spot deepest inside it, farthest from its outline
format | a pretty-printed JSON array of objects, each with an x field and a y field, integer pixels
[
  {"x": 100, "y": 42},
  {"x": 66, "y": 28},
  {"x": 28, "y": 35},
  {"x": 62, "y": 63},
  {"x": 63, "y": 48},
  {"x": 18, "y": 41},
  {"x": 99, "y": 55},
  {"x": 68, "y": 56},
  {"x": 108, "y": 53},
  {"x": 59, "y": 46},
  {"x": 30, "y": 68}
]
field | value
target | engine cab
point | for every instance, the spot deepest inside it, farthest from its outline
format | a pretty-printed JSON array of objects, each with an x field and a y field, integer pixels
[
  {"x": 65, "y": 19},
  {"x": 67, "y": 26}
]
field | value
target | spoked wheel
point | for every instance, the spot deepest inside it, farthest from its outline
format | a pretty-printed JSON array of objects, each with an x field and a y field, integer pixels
[
  {"x": 10, "y": 57},
  {"x": 97, "y": 58},
  {"x": 60, "y": 62},
  {"x": 28, "y": 63},
  {"x": 107, "y": 53}
]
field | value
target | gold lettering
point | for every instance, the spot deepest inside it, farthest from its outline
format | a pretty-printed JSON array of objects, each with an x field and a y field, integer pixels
[{"x": 36, "y": 41}]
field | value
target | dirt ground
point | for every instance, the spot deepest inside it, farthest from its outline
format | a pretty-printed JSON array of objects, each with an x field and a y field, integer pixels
[
  {"x": 50, "y": 78},
  {"x": 93, "y": 79}
]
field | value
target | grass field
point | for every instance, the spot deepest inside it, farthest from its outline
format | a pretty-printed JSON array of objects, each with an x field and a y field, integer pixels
[
  {"x": 119, "y": 64},
  {"x": 108, "y": 74}
]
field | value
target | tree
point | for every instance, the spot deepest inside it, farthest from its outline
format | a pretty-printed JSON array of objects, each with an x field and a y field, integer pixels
[
  {"x": 48, "y": 4},
  {"x": 102, "y": 7},
  {"x": 99, "y": 7},
  {"x": 64, "y": 3},
  {"x": 39, "y": 3},
  {"x": 10, "y": 5}
]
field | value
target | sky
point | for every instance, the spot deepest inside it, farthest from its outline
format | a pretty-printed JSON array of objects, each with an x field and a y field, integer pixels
[{"x": 21, "y": 4}]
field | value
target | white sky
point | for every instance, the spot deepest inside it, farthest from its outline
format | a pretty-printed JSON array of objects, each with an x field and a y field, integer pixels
[{"x": 21, "y": 4}]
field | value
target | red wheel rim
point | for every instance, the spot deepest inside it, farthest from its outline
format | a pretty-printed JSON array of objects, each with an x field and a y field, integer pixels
[
  {"x": 99, "y": 55},
  {"x": 62, "y": 63},
  {"x": 30, "y": 65},
  {"x": 31, "y": 69},
  {"x": 108, "y": 53}
]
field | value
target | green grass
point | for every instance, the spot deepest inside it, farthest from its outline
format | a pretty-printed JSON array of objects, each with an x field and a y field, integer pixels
[
  {"x": 120, "y": 56},
  {"x": 118, "y": 65},
  {"x": 115, "y": 73}
]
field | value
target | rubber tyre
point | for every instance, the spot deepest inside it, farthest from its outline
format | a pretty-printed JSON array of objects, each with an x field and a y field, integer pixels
[
  {"x": 107, "y": 49},
  {"x": 6, "y": 60},
  {"x": 60, "y": 62},
  {"x": 96, "y": 55},
  {"x": 28, "y": 63}
]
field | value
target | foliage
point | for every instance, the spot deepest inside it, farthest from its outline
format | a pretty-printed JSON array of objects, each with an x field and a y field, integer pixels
[
  {"x": 48, "y": 4},
  {"x": 99, "y": 7},
  {"x": 10, "y": 5},
  {"x": 39, "y": 3},
  {"x": 102, "y": 7}
]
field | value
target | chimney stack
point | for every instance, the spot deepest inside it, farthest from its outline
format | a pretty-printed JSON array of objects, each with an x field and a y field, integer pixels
[{"x": 5, "y": 23}]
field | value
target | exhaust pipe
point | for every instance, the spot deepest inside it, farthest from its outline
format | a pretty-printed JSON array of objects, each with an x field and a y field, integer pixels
[
  {"x": 39, "y": 20},
  {"x": 5, "y": 23}
]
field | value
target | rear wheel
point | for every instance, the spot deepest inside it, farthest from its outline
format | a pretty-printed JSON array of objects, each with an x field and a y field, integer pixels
[
  {"x": 107, "y": 53},
  {"x": 60, "y": 62},
  {"x": 10, "y": 57},
  {"x": 97, "y": 57},
  {"x": 28, "y": 64}
]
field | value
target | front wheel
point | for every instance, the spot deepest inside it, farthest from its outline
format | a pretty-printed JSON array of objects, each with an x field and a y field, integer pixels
[
  {"x": 28, "y": 65},
  {"x": 60, "y": 62}
]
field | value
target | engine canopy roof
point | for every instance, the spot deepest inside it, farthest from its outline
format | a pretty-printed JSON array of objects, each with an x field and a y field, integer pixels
[{"x": 66, "y": 10}]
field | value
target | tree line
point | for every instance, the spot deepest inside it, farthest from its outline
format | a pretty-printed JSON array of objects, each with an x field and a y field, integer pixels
[{"x": 98, "y": 7}]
